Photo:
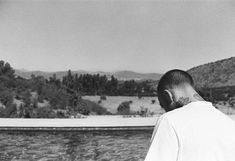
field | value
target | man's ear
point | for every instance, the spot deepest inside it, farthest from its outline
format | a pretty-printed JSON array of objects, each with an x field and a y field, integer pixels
[{"x": 168, "y": 95}]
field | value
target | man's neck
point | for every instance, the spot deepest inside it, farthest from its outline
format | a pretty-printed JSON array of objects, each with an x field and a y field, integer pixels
[{"x": 185, "y": 95}]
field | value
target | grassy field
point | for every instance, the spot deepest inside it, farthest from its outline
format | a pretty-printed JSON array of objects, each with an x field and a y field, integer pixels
[{"x": 112, "y": 102}]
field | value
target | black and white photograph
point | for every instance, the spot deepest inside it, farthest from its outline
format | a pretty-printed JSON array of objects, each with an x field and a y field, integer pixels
[{"x": 117, "y": 80}]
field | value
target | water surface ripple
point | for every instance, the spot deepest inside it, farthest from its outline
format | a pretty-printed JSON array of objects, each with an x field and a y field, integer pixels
[{"x": 74, "y": 146}]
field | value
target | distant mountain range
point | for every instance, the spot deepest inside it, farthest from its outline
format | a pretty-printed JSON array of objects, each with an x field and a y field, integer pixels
[
  {"x": 216, "y": 74},
  {"x": 120, "y": 75}
]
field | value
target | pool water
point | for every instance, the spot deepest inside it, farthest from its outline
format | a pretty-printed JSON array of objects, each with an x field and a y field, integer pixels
[{"x": 75, "y": 146}]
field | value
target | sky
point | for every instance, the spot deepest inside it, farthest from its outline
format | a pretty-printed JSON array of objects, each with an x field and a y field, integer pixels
[{"x": 111, "y": 35}]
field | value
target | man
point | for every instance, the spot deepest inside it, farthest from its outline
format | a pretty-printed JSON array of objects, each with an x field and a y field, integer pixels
[{"x": 191, "y": 129}]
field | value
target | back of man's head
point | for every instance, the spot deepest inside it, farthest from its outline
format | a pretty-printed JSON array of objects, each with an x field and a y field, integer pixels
[{"x": 169, "y": 81}]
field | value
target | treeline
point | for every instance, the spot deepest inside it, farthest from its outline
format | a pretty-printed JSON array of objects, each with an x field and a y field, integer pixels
[{"x": 88, "y": 84}]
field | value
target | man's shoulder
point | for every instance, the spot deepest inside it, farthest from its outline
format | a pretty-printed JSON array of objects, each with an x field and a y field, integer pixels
[
  {"x": 171, "y": 117},
  {"x": 190, "y": 110},
  {"x": 175, "y": 113},
  {"x": 191, "y": 113}
]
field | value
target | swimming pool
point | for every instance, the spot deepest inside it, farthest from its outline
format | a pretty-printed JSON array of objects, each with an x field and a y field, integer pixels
[{"x": 75, "y": 146}]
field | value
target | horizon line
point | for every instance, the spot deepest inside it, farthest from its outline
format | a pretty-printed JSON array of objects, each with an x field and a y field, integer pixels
[{"x": 87, "y": 71}]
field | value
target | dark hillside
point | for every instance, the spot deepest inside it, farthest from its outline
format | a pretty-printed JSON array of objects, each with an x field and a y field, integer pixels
[{"x": 216, "y": 74}]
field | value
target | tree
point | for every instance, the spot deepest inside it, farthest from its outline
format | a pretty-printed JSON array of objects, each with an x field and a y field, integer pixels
[
  {"x": 11, "y": 110},
  {"x": 7, "y": 75},
  {"x": 68, "y": 81},
  {"x": 6, "y": 95},
  {"x": 53, "y": 80},
  {"x": 6, "y": 69},
  {"x": 111, "y": 87}
]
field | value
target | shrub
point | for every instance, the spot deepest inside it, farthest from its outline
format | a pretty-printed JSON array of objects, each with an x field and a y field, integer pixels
[
  {"x": 6, "y": 96},
  {"x": 44, "y": 112},
  {"x": 86, "y": 107},
  {"x": 139, "y": 96},
  {"x": 60, "y": 114},
  {"x": 96, "y": 108},
  {"x": 124, "y": 108},
  {"x": 103, "y": 97},
  {"x": 9, "y": 112},
  {"x": 232, "y": 101},
  {"x": 153, "y": 101},
  {"x": 143, "y": 111}
]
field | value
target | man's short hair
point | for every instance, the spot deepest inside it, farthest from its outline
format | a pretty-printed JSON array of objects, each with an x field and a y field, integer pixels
[{"x": 171, "y": 79}]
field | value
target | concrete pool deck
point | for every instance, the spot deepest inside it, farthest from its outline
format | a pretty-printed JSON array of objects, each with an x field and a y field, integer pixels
[{"x": 81, "y": 124}]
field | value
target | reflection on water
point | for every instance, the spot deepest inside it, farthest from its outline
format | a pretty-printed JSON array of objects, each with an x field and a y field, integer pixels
[{"x": 80, "y": 146}]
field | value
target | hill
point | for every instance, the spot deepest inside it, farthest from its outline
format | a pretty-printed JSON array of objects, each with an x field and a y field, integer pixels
[
  {"x": 120, "y": 75},
  {"x": 216, "y": 74}
]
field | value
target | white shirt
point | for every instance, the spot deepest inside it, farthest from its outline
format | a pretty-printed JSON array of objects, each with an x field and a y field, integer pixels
[{"x": 195, "y": 132}]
